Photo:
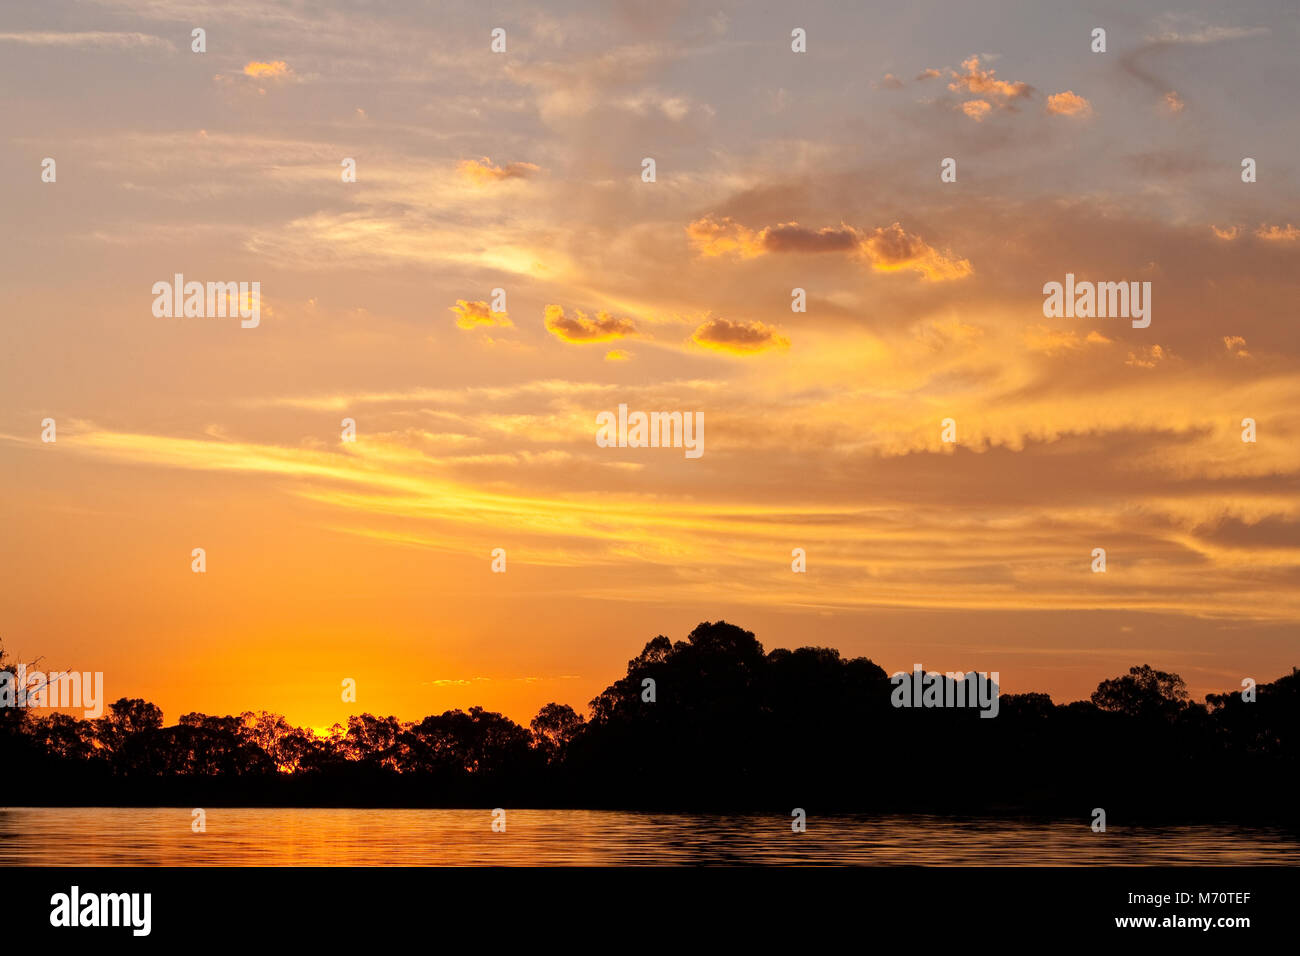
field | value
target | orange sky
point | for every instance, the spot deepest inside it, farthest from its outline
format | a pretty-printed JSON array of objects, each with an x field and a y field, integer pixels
[{"x": 522, "y": 171}]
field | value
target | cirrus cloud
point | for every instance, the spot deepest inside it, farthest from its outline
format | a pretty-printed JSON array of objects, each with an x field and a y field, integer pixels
[{"x": 94, "y": 38}]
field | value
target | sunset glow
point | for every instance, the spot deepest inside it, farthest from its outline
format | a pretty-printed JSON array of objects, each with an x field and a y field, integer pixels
[{"x": 475, "y": 427}]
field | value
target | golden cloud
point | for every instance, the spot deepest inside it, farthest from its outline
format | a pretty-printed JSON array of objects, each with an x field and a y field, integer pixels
[
  {"x": 579, "y": 328},
  {"x": 740, "y": 338},
  {"x": 1287, "y": 233},
  {"x": 482, "y": 171},
  {"x": 472, "y": 315},
  {"x": 1068, "y": 103},
  {"x": 1147, "y": 357},
  {"x": 713, "y": 238},
  {"x": 260, "y": 70},
  {"x": 891, "y": 248},
  {"x": 888, "y": 249},
  {"x": 977, "y": 109},
  {"x": 1236, "y": 345},
  {"x": 985, "y": 82},
  {"x": 1052, "y": 341}
]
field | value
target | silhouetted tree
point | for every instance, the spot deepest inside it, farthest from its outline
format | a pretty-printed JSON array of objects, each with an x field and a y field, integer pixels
[
  {"x": 554, "y": 728},
  {"x": 124, "y": 733},
  {"x": 1143, "y": 692}
]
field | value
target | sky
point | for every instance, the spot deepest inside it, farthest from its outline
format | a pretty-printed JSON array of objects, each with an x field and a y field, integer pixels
[{"x": 522, "y": 170}]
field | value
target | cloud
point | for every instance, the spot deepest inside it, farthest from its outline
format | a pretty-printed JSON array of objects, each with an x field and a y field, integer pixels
[
  {"x": 482, "y": 170},
  {"x": 617, "y": 355},
  {"x": 466, "y": 681},
  {"x": 86, "y": 39},
  {"x": 259, "y": 70},
  {"x": 675, "y": 108},
  {"x": 985, "y": 82},
  {"x": 1147, "y": 357},
  {"x": 891, "y": 82},
  {"x": 891, "y": 248},
  {"x": 1236, "y": 345},
  {"x": 546, "y": 389},
  {"x": 716, "y": 238},
  {"x": 792, "y": 237},
  {"x": 579, "y": 328},
  {"x": 713, "y": 238},
  {"x": 1232, "y": 232},
  {"x": 741, "y": 338},
  {"x": 1171, "y": 34},
  {"x": 1173, "y": 102},
  {"x": 616, "y": 77},
  {"x": 1287, "y": 233},
  {"x": 1053, "y": 341},
  {"x": 887, "y": 249},
  {"x": 929, "y": 74},
  {"x": 1206, "y": 34},
  {"x": 472, "y": 315},
  {"x": 976, "y": 109},
  {"x": 1068, "y": 103}
]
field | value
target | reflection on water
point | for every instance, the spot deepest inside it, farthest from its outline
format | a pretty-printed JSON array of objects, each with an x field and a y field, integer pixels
[{"x": 98, "y": 836}]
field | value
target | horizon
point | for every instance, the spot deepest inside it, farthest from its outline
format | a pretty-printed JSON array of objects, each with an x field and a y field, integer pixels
[{"x": 584, "y": 710}]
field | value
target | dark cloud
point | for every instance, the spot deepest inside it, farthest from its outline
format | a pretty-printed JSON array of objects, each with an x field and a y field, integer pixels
[{"x": 792, "y": 237}]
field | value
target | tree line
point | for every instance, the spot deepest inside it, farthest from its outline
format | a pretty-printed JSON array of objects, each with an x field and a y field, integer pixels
[{"x": 709, "y": 723}]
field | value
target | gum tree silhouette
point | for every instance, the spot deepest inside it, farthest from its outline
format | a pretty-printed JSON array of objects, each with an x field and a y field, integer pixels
[
  {"x": 1144, "y": 692},
  {"x": 554, "y": 728},
  {"x": 712, "y": 722}
]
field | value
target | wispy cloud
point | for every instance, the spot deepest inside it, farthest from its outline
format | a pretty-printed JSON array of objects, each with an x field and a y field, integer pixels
[{"x": 88, "y": 39}]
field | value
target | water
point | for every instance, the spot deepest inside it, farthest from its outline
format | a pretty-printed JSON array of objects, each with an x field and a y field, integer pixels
[{"x": 96, "y": 836}]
